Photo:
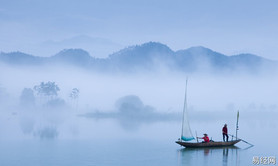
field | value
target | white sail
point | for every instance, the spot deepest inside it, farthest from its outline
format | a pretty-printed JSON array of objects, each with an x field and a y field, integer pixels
[{"x": 186, "y": 133}]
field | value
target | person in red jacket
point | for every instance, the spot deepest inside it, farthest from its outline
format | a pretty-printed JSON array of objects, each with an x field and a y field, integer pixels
[
  {"x": 206, "y": 138},
  {"x": 225, "y": 133}
]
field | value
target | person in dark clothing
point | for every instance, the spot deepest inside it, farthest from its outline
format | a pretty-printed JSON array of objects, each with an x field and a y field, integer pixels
[{"x": 225, "y": 133}]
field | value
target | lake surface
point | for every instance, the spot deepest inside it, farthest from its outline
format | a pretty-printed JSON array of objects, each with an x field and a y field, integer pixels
[
  {"x": 121, "y": 152},
  {"x": 107, "y": 142}
]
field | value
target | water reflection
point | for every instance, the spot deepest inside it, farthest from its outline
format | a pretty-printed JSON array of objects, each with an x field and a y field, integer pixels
[
  {"x": 208, "y": 156},
  {"x": 225, "y": 156},
  {"x": 131, "y": 112}
]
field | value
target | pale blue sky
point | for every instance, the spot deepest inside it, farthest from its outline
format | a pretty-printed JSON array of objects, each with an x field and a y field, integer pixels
[{"x": 43, "y": 27}]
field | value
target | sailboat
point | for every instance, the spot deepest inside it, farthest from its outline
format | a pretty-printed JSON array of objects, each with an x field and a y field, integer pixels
[{"x": 186, "y": 134}]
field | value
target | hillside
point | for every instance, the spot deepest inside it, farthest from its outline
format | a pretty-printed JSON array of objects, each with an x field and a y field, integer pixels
[{"x": 149, "y": 56}]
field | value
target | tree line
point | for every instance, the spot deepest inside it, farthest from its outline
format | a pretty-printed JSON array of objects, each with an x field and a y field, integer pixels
[{"x": 46, "y": 93}]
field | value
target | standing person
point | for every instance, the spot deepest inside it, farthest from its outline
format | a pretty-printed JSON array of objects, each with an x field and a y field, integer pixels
[
  {"x": 206, "y": 138},
  {"x": 225, "y": 133}
]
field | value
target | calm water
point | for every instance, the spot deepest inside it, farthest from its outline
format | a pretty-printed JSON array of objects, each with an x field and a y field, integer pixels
[
  {"x": 148, "y": 144},
  {"x": 121, "y": 152}
]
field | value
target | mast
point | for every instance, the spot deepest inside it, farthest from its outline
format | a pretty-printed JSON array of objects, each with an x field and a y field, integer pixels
[
  {"x": 186, "y": 134},
  {"x": 237, "y": 123},
  {"x": 184, "y": 108}
]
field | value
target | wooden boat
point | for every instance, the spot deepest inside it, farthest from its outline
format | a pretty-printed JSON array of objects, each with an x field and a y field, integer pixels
[
  {"x": 207, "y": 144},
  {"x": 186, "y": 134}
]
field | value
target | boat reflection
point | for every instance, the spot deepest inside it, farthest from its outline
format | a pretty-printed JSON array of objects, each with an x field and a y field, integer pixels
[
  {"x": 225, "y": 156},
  {"x": 208, "y": 156}
]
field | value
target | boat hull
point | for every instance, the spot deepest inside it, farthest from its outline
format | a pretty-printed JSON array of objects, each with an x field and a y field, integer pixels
[{"x": 207, "y": 144}]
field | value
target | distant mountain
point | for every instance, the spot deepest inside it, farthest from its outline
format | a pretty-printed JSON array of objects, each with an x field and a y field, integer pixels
[
  {"x": 19, "y": 58},
  {"x": 100, "y": 47},
  {"x": 77, "y": 57},
  {"x": 143, "y": 56},
  {"x": 200, "y": 58},
  {"x": 149, "y": 57}
]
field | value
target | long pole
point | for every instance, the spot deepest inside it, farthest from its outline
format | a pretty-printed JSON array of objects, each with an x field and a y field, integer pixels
[
  {"x": 237, "y": 123},
  {"x": 242, "y": 140},
  {"x": 196, "y": 136}
]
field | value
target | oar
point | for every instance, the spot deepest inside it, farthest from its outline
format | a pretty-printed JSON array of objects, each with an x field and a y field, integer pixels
[
  {"x": 242, "y": 140},
  {"x": 246, "y": 142}
]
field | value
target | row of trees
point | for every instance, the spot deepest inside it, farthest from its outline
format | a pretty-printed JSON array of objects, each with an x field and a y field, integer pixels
[
  {"x": 47, "y": 93},
  {"x": 49, "y": 89}
]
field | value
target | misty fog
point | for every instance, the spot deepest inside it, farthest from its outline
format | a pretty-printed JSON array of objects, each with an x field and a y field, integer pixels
[
  {"x": 127, "y": 105},
  {"x": 103, "y": 82}
]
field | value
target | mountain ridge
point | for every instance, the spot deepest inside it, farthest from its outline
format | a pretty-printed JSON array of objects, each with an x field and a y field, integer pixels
[{"x": 147, "y": 56}]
